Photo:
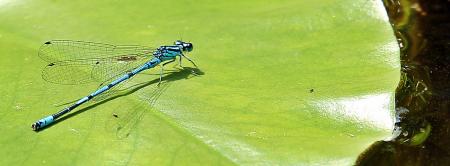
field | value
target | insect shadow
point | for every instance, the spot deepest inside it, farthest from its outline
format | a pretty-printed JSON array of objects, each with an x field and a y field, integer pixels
[{"x": 172, "y": 76}]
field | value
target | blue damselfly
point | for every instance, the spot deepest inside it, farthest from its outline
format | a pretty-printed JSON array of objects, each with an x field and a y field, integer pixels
[{"x": 75, "y": 62}]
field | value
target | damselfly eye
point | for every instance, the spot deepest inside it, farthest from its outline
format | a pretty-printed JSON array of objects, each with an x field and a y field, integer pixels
[
  {"x": 178, "y": 42},
  {"x": 188, "y": 47}
]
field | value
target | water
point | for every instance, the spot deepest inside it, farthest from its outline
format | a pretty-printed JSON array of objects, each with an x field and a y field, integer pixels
[{"x": 422, "y": 132}]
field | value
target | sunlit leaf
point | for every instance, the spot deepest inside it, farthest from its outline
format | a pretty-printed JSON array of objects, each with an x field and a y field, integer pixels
[{"x": 284, "y": 82}]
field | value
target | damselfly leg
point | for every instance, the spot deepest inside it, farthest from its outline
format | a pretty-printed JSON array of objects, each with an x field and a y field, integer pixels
[
  {"x": 190, "y": 60},
  {"x": 162, "y": 70}
]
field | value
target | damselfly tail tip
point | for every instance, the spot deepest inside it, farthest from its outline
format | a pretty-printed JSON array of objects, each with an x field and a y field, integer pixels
[
  {"x": 42, "y": 123},
  {"x": 35, "y": 126}
]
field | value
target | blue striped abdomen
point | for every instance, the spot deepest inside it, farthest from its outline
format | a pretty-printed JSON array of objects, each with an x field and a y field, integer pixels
[{"x": 150, "y": 64}]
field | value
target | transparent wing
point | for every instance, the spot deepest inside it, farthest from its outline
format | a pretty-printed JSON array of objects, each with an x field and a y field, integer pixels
[
  {"x": 129, "y": 121},
  {"x": 89, "y": 70},
  {"x": 77, "y": 62},
  {"x": 64, "y": 50},
  {"x": 111, "y": 92}
]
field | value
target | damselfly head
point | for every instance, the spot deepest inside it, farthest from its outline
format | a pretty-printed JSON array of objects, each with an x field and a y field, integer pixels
[{"x": 185, "y": 46}]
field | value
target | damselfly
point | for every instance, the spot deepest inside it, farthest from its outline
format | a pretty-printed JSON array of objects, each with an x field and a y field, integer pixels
[{"x": 75, "y": 62}]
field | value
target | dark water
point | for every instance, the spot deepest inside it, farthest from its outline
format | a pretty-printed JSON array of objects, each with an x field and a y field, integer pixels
[{"x": 422, "y": 132}]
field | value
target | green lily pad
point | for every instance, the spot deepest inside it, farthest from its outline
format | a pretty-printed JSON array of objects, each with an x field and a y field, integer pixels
[{"x": 281, "y": 83}]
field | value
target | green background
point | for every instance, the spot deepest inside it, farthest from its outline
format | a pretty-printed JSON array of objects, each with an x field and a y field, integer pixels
[{"x": 253, "y": 104}]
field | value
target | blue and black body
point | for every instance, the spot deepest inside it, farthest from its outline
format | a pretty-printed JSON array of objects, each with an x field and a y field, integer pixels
[{"x": 165, "y": 54}]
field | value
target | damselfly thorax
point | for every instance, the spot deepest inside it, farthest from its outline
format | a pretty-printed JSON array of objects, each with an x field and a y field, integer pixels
[{"x": 171, "y": 52}]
